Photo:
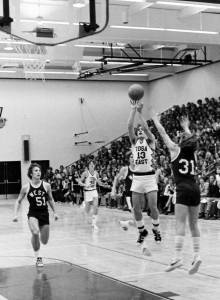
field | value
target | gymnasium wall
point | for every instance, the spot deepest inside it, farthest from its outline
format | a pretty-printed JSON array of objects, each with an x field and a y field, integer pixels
[
  {"x": 185, "y": 87},
  {"x": 50, "y": 113}
]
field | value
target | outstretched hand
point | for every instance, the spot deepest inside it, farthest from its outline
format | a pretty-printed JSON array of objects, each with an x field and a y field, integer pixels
[
  {"x": 184, "y": 122},
  {"x": 140, "y": 106},
  {"x": 133, "y": 105},
  {"x": 154, "y": 115}
]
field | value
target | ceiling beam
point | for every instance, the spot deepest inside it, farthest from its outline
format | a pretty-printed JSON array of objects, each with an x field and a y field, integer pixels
[
  {"x": 190, "y": 11},
  {"x": 137, "y": 7}
]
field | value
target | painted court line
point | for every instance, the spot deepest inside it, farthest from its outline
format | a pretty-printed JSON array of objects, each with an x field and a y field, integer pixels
[{"x": 140, "y": 275}]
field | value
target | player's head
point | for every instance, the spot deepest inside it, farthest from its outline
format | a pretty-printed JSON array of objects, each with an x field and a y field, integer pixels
[
  {"x": 188, "y": 140},
  {"x": 34, "y": 171},
  {"x": 91, "y": 165},
  {"x": 140, "y": 132}
]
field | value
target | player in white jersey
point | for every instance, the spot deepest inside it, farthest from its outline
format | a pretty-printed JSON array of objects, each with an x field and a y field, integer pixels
[
  {"x": 88, "y": 180},
  {"x": 144, "y": 178}
]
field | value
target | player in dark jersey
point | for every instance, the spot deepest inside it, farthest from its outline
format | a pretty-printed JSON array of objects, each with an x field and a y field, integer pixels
[
  {"x": 183, "y": 162},
  {"x": 39, "y": 195},
  {"x": 126, "y": 174}
]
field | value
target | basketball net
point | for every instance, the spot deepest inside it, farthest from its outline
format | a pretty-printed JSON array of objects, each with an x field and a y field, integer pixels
[{"x": 34, "y": 60}]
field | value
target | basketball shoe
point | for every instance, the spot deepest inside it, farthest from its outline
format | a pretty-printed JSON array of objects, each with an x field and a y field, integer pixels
[
  {"x": 176, "y": 263},
  {"x": 39, "y": 262},
  {"x": 195, "y": 265},
  {"x": 157, "y": 235},
  {"x": 142, "y": 235},
  {"x": 124, "y": 225}
]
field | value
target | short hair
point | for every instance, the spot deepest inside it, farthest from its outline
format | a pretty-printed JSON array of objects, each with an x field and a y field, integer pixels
[
  {"x": 30, "y": 169},
  {"x": 90, "y": 161},
  {"x": 137, "y": 127}
]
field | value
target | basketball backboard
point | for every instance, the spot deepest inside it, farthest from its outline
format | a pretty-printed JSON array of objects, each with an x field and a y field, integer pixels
[{"x": 52, "y": 22}]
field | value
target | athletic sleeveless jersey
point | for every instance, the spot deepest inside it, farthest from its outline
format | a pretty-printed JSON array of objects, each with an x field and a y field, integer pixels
[
  {"x": 143, "y": 156},
  {"x": 90, "y": 181},
  {"x": 184, "y": 166},
  {"x": 37, "y": 197},
  {"x": 128, "y": 180}
]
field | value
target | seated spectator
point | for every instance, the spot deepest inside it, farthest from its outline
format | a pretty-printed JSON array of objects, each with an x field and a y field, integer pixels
[
  {"x": 212, "y": 198},
  {"x": 203, "y": 186},
  {"x": 169, "y": 193}
]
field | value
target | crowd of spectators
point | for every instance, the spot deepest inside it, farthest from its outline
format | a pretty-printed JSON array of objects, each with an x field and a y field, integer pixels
[{"x": 205, "y": 123}]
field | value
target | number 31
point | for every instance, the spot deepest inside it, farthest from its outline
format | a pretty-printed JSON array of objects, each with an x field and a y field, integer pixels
[{"x": 186, "y": 165}]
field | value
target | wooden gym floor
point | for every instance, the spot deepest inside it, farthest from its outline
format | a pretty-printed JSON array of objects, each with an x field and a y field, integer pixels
[{"x": 84, "y": 265}]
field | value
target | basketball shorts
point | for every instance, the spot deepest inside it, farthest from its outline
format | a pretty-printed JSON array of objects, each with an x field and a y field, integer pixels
[
  {"x": 90, "y": 195},
  {"x": 128, "y": 193},
  {"x": 42, "y": 217},
  {"x": 144, "y": 184},
  {"x": 188, "y": 194}
]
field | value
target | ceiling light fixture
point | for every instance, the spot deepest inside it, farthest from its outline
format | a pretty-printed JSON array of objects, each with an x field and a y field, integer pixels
[
  {"x": 99, "y": 46},
  {"x": 14, "y": 42},
  {"x": 8, "y": 71},
  {"x": 8, "y": 48},
  {"x": 45, "y": 21},
  {"x": 108, "y": 62},
  {"x": 140, "y": 1},
  {"x": 164, "y": 29},
  {"x": 79, "y": 3},
  {"x": 128, "y": 74},
  {"x": 18, "y": 59},
  {"x": 53, "y": 72},
  {"x": 188, "y": 5}
]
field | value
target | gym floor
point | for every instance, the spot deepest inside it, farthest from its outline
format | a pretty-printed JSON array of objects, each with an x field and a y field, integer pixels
[{"x": 83, "y": 264}]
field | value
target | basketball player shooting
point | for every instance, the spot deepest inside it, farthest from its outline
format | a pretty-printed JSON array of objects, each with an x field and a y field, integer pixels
[{"x": 144, "y": 178}]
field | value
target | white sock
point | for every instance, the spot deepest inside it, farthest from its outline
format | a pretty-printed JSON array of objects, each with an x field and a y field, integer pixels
[
  {"x": 128, "y": 200},
  {"x": 36, "y": 253},
  {"x": 140, "y": 225}
]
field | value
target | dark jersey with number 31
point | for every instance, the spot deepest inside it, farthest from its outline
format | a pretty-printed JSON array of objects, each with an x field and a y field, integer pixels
[
  {"x": 37, "y": 198},
  {"x": 184, "y": 166}
]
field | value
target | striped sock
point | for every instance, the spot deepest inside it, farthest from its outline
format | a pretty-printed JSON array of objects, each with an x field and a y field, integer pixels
[
  {"x": 156, "y": 224},
  {"x": 196, "y": 245},
  {"x": 140, "y": 225},
  {"x": 179, "y": 241}
]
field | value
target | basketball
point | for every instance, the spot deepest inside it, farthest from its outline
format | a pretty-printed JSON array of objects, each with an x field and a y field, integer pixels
[{"x": 135, "y": 93}]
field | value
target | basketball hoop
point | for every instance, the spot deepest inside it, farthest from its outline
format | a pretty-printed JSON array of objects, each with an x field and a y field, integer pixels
[
  {"x": 2, "y": 122},
  {"x": 34, "y": 60}
]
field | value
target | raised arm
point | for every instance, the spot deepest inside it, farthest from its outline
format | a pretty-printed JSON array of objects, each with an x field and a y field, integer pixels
[
  {"x": 173, "y": 148},
  {"x": 146, "y": 129},
  {"x": 131, "y": 132},
  {"x": 20, "y": 198},
  {"x": 184, "y": 123}
]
